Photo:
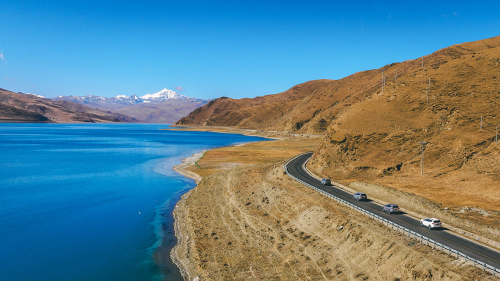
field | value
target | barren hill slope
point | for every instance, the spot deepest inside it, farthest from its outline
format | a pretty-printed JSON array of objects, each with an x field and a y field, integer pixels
[
  {"x": 259, "y": 112},
  {"x": 311, "y": 107},
  {"x": 377, "y": 139},
  {"x": 372, "y": 134},
  {"x": 16, "y": 107}
]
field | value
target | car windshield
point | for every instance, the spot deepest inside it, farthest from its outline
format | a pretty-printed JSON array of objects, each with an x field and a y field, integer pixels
[
  {"x": 362, "y": 194},
  {"x": 436, "y": 221},
  {"x": 395, "y": 206}
]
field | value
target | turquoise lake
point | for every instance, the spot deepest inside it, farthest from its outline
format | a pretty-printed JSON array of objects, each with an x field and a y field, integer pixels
[{"x": 92, "y": 201}]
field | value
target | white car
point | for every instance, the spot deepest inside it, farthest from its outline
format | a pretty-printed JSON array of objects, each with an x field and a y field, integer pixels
[{"x": 430, "y": 223}]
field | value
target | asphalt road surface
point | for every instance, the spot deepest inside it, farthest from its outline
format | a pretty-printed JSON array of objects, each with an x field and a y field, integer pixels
[{"x": 444, "y": 236}]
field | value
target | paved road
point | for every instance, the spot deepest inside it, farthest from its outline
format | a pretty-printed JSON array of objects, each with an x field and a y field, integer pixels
[{"x": 446, "y": 237}]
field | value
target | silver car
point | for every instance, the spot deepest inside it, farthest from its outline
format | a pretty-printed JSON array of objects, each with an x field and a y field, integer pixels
[
  {"x": 360, "y": 196},
  {"x": 391, "y": 208},
  {"x": 326, "y": 182}
]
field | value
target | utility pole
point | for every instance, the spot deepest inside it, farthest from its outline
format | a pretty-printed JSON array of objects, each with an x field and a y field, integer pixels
[
  {"x": 422, "y": 161},
  {"x": 481, "y": 122},
  {"x": 496, "y": 135},
  {"x": 383, "y": 81}
]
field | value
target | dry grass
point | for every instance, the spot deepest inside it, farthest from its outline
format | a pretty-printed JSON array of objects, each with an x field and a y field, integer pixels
[
  {"x": 257, "y": 153},
  {"x": 415, "y": 197},
  {"x": 254, "y": 222}
]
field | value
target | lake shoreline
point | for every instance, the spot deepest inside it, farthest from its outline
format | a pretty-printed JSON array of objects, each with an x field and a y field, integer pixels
[{"x": 181, "y": 169}]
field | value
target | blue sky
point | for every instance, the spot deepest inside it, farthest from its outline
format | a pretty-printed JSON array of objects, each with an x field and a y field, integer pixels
[{"x": 209, "y": 49}]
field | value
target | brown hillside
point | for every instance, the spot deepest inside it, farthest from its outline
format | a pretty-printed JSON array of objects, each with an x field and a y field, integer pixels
[
  {"x": 17, "y": 107},
  {"x": 259, "y": 112},
  {"x": 372, "y": 135},
  {"x": 376, "y": 139},
  {"x": 311, "y": 107}
]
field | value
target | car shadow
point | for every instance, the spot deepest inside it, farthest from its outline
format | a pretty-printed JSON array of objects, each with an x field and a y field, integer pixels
[
  {"x": 440, "y": 228},
  {"x": 362, "y": 200},
  {"x": 399, "y": 213},
  {"x": 435, "y": 229}
]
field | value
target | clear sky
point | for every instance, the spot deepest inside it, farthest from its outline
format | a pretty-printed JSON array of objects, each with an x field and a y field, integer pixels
[{"x": 207, "y": 49}]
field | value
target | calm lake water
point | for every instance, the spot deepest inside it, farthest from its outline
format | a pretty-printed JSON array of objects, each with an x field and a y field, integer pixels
[{"x": 91, "y": 201}]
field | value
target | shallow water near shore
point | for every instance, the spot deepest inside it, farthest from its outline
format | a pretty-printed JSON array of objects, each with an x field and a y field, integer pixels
[{"x": 92, "y": 201}]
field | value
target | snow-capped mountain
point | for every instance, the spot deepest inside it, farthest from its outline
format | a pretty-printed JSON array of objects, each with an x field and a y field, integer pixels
[
  {"x": 121, "y": 101},
  {"x": 165, "y": 106},
  {"x": 164, "y": 94}
]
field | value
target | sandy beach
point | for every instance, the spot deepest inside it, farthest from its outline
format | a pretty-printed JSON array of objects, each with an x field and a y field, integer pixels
[
  {"x": 181, "y": 169},
  {"x": 187, "y": 162}
]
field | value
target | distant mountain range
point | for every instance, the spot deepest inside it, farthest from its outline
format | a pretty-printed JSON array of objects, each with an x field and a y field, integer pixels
[
  {"x": 19, "y": 107},
  {"x": 165, "y": 106},
  {"x": 122, "y": 101}
]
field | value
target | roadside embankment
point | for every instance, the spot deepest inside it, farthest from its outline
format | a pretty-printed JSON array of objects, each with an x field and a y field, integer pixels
[
  {"x": 248, "y": 219},
  {"x": 459, "y": 220}
]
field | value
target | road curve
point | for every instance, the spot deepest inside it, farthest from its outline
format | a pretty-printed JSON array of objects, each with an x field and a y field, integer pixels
[{"x": 296, "y": 167}]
